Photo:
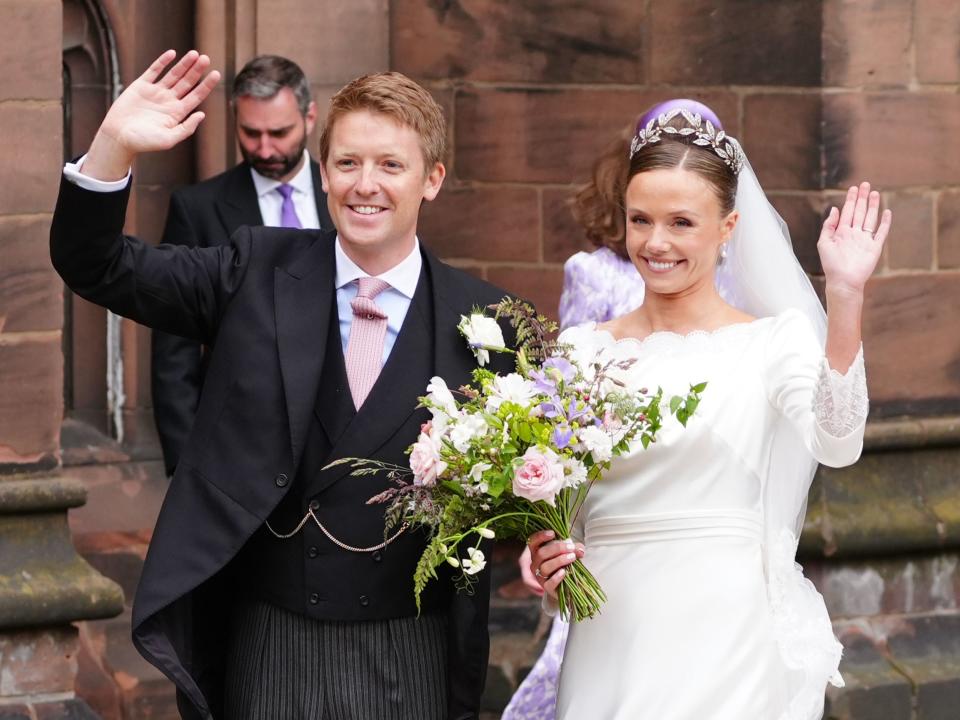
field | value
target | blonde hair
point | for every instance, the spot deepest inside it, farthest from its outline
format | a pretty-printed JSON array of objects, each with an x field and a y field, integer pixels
[{"x": 397, "y": 96}]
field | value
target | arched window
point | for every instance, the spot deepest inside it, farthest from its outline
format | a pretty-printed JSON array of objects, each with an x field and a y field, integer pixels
[{"x": 90, "y": 338}]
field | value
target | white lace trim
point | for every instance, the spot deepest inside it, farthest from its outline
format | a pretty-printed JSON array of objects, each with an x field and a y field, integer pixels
[
  {"x": 664, "y": 342},
  {"x": 803, "y": 630},
  {"x": 840, "y": 401}
]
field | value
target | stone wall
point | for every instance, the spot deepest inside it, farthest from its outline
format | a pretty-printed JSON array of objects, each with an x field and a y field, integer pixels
[
  {"x": 822, "y": 95},
  {"x": 821, "y": 92}
]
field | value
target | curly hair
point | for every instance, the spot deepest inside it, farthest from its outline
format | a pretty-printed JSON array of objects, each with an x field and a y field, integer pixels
[{"x": 598, "y": 205}]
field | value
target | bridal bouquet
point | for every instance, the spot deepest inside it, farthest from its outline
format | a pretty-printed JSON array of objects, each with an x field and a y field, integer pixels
[{"x": 511, "y": 454}]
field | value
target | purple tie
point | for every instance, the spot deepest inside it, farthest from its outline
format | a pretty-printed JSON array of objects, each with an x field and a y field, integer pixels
[{"x": 288, "y": 213}]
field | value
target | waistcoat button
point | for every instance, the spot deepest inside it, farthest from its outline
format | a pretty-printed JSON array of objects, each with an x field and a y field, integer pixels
[
  {"x": 313, "y": 551},
  {"x": 377, "y": 557},
  {"x": 281, "y": 480},
  {"x": 364, "y": 600},
  {"x": 314, "y": 598}
]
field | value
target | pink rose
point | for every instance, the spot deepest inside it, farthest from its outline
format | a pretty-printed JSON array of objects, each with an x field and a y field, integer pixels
[
  {"x": 425, "y": 460},
  {"x": 540, "y": 477}
]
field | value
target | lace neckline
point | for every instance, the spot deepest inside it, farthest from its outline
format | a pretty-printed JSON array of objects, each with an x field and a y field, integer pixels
[{"x": 670, "y": 337}]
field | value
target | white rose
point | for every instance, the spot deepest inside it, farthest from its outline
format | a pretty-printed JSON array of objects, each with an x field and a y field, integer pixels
[
  {"x": 596, "y": 440},
  {"x": 465, "y": 429},
  {"x": 482, "y": 333},
  {"x": 510, "y": 388}
]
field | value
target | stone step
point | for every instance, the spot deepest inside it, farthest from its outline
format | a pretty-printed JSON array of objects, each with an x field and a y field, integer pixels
[{"x": 115, "y": 680}]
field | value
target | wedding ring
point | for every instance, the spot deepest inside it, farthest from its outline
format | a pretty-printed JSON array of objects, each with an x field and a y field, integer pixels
[{"x": 539, "y": 575}]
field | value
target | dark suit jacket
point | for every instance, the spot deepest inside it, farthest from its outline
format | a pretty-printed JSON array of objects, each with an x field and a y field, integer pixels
[
  {"x": 202, "y": 215},
  {"x": 263, "y": 304}
]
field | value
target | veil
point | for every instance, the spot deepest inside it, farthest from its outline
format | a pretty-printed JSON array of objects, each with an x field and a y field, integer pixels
[{"x": 761, "y": 276}]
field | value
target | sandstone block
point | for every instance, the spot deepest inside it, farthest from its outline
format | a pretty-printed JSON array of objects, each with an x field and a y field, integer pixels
[
  {"x": 550, "y": 135},
  {"x": 948, "y": 229},
  {"x": 910, "y": 340},
  {"x": 332, "y": 42},
  {"x": 893, "y": 139},
  {"x": 781, "y": 136},
  {"x": 803, "y": 214},
  {"x": 31, "y": 293},
  {"x": 937, "y": 34},
  {"x": 866, "y": 43},
  {"x": 30, "y": 172},
  {"x": 519, "y": 42},
  {"x": 30, "y": 47},
  {"x": 562, "y": 234},
  {"x": 31, "y": 400},
  {"x": 910, "y": 243},
  {"x": 541, "y": 286},
  {"x": 486, "y": 224},
  {"x": 735, "y": 42}
]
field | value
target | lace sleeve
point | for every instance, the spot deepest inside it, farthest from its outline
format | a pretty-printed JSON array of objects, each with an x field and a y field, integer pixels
[{"x": 840, "y": 401}]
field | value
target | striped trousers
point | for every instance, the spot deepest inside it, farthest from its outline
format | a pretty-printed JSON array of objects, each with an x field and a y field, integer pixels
[{"x": 285, "y": 666}]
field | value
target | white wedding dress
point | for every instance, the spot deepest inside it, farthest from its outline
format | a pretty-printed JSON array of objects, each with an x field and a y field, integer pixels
[{"x": 708, "y": 617}]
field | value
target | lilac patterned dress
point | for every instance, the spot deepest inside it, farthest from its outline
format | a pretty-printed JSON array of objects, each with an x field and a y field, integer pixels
[{"x": 597, "y": 286}]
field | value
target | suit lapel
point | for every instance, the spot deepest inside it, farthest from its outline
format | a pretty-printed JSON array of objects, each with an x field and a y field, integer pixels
[
  {"x": 303, "y": 296},
  {"x": 239, "y": 204},
  {"x": 392, "y": 404}
]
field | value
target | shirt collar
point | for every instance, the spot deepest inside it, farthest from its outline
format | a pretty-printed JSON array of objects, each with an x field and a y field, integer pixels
[
  {"x": 402, "y": 276},
  {"x": 301, "y": 182}
]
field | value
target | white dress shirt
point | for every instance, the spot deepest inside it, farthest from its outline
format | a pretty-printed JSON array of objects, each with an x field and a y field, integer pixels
[
  {"x": 394, "y": 301},
  {"x": 304, "y": 199}
]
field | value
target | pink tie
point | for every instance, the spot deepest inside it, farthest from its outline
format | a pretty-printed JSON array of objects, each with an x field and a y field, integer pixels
[{"x": 365, "y": 347}]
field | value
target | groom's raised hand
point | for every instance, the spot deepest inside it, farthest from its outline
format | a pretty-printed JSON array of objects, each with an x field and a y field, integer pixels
[{"x": 155, "y": 112}]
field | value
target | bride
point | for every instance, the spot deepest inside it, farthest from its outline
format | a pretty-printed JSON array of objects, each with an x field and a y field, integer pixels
[{"x": 694, "y": 539}]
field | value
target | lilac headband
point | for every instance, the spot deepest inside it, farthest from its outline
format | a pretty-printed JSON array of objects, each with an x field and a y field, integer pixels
[
  {"x": 703, "y": 129},
  {"x": 683, "y": 104}
]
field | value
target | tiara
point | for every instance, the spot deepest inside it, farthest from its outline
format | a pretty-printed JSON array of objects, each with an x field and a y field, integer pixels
[{"x": 704, "y": 132}]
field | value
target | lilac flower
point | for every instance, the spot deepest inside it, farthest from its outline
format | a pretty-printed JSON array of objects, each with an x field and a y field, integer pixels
[
  {"x": 554, "y": 371},
  {"x": 562, "y": 434}
]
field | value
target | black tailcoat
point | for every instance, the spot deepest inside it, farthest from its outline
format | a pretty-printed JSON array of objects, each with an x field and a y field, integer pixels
[{"x": 263, "y": 303}]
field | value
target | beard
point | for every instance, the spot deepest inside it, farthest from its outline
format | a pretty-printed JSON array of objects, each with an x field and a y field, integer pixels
[{"x": 275, "y": 166}]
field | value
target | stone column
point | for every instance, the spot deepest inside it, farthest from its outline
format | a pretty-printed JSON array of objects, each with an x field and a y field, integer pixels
[{"x": 44, "y": 585}]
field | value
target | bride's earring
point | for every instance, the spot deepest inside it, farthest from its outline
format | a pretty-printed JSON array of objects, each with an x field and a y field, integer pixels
[{"x": 723, "y": 254}]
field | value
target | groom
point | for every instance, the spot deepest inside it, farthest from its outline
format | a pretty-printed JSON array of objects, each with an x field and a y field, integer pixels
[{"x": 271, "y": 590}]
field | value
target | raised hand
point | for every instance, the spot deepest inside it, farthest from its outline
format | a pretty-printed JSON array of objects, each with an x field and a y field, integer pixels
[
  {"x": 153, "y": 113},
  {"x": 852, "y": 239}
]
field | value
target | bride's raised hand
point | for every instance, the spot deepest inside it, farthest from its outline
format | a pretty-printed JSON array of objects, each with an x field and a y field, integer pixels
[
  {"x": 155, "y": 112},
  {"x": 851, "y": 240}
]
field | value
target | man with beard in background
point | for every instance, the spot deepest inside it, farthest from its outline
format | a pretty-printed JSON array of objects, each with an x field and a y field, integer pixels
[{"x": 277, "y": 184}]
